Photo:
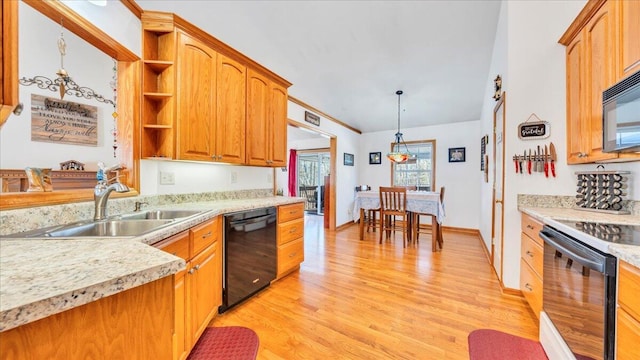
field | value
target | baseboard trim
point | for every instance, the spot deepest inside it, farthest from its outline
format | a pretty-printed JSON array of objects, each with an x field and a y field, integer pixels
[{"x": 346, "y": 225}]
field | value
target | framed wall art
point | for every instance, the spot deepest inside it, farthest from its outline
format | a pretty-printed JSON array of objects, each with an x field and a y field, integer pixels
[
  {"x": 457, "y": 154},
  {"x": 348, "y": 159},
  {"x": 375, "y": 158}
]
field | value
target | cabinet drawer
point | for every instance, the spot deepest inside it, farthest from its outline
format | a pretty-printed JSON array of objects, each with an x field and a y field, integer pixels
[
  {"x": 203, "y": 235},
  {"x": 628, "y": 334},
  {"x": 290, "y": 231},
  {"x": 177, "y": 245},
  {"x": 531, "y": 286},
  {"x": 290, "y": 212},
  {"x": 629, "y": 288},
  {"x": 531, "y": 252},
  {"x": 290, "y": 255},
  {"x": 531, "y": 227}
]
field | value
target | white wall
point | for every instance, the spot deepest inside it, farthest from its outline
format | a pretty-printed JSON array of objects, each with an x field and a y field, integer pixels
[
  {"x": 87, "y": 66},
  {"x": 462, "y": 197},
  {"x": 534, "y": 79},
  {"x": 347, "y": 176}
]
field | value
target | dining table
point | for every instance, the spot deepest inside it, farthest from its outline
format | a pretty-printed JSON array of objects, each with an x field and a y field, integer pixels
[{"x": 423, "y": 202}]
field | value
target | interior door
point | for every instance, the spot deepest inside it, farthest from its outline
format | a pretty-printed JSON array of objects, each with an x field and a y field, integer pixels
[{"x": 498, "y": 186}]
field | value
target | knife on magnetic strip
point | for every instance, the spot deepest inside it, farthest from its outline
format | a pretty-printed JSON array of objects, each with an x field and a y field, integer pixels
[
  {"x": 545, "y": 157},
  {"x": 552, "y": 148}
]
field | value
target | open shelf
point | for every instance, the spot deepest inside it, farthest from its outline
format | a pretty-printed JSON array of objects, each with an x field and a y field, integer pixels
[{"x": 158, "y": 65}]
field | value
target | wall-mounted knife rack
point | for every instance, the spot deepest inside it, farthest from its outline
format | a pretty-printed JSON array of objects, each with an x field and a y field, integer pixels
[
  {"x": 540, "y": 159},
  {"x": 602, "y": 191}
]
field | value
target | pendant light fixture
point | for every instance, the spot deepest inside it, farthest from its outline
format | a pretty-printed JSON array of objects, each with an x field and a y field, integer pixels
[{"x": 397, "y": 155}]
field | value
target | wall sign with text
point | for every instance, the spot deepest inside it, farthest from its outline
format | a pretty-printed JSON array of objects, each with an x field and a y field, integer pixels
[{"x": 533, "y": 130}]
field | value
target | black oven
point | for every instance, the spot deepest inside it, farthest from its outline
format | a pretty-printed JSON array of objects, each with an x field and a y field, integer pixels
[{"x": 579, "y": 294}]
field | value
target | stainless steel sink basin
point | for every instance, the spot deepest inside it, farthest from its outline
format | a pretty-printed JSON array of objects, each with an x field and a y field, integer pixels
[
  {"x": 161, "y": 214},
  {"x": 109, "y": 228},
  {"x": 105, "y": 228}
]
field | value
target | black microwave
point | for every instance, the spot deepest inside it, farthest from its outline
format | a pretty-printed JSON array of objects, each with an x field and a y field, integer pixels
[{"x": 621, "y": 116}]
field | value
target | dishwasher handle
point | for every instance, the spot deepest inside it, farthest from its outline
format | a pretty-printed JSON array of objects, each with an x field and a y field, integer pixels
[{"x": 251, "y": 220}]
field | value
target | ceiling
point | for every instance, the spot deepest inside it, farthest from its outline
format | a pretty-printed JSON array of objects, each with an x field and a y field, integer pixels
[{"x": 348, "y": 58}]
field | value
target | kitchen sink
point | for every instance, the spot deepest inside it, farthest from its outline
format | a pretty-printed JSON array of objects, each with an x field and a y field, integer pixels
[
  {"x": 161, "y": 214},
  {"x": 104, "y": 228},
  {"x": 109, "y": 228}
]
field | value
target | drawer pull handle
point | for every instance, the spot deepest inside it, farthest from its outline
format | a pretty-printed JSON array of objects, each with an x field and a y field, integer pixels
[
  {"x": 256, "y": 280},
  {"x": 292, "y": 212},
  {"x": 528, "y": 287},
  {"x": 293, "y": 230},
  {"x": 293, "y": 254},
  {"x": 529, "y": 227},
  {"x": 529, "y": 253},
  {"x": 206, "y": 235},
  {"x": 192, "y": 270}
]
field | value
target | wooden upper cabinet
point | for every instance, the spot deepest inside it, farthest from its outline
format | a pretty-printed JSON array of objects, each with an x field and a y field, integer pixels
[
  {"x": 266, "y": 121},
  {"x": 629, "y": 27},
  {"x": 231, "y": 115},
  {"x": 600, "y": 74},
  {"x": 196, "y": 99},
  {"x": 212, "y": 103},
  {"x": 8, "y": 59},
  {"x": 592, "y": 41}
]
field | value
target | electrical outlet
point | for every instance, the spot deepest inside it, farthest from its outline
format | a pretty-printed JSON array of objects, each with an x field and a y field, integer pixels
[
  {"x": 167, "y": 178},
  {"x": 349, "y": 213},
  {"x": 234, "y": 177}
]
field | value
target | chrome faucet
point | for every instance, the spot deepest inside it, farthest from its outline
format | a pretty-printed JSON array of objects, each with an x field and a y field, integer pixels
[{"x": 104, "y": 188}]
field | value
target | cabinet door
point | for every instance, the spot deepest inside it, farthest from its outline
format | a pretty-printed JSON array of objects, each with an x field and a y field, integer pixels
[
  {"x": 278, "y": 130},
  {"x": 204, "y": 288},
  {"x": 196, "y": 99},
  {"x": 9, "y": 95},
  {"x": 629, "y": 37},
  {"x": 600, "y": 74},
  {"x": 231, "y": 113},
  {"x": 575, "y": 98},
  {"x": 181, "y": 348},
  {"x": 257, "y": 119}
]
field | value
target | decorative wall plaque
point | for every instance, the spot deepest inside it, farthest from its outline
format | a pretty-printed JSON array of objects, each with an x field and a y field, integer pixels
[
  {"x": 533, "y": 130},
  {"x": 64, "y": 122},
  {"x": 312, "y": 118}
]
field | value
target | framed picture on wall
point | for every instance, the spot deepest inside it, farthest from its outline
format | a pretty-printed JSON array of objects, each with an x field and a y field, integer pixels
[
  {"x": 348, "y": 159},
  {"x": 375, "y": 158},
  {"x": 457, "y": 154}
]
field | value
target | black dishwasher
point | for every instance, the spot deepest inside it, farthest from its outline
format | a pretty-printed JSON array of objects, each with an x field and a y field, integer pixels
[{"x": 249, "y": 263}]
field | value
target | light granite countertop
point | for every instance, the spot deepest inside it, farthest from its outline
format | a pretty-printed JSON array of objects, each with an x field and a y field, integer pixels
[
  {"x": 41, "y": 277},
  {"x": 628, "y": 253}
]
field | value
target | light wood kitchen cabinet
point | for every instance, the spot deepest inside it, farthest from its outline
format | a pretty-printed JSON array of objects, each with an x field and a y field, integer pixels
[
  {"x": 9, "y": 95},
  {"x": 198, "y": 288},
  {"x": 211, "y": 104},
  {"x": 531, "y": 259},
  {"x": 628, "y": 316},
  {"x": 629, "y": 32},
  {"x": 133, "y": 324},
  {"x": 593, "y": 41},
  {"x": 158, "y": 88},
  {"x": 196, "y": 99},
  {"x": 266, "y": 121},
  {"x": 290, "y": 238},
  {"x": 196, "y": 92}
]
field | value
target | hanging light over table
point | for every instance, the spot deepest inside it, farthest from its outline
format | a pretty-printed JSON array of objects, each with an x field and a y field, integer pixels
[{"x": 397, "y": 155}]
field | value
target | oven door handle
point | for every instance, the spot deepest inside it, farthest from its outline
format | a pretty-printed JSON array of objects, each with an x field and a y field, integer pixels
[{"x": 574, "y": 253}]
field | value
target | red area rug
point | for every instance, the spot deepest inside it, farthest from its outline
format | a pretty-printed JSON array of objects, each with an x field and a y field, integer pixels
[
  {"x": 226, "y": 343},
  {"x": 485, "y": 344}
]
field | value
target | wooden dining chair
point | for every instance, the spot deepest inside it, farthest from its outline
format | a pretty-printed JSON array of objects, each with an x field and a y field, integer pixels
[
  {"x": 421, "y": 229},
  {"x": 393, "y": 205},
  {"x": 371, "y": 215}
]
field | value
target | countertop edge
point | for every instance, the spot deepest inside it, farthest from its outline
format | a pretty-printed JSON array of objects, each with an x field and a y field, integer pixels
[
  {"x": 628, "y": 253},
  {"x": 64, "y": 300}
]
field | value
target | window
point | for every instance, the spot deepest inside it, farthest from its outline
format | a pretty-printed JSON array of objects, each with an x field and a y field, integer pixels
[{"x": 420, "y": 169}]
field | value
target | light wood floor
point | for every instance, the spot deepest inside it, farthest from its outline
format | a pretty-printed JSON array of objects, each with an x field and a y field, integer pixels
[{"x": 357, "y": 299}]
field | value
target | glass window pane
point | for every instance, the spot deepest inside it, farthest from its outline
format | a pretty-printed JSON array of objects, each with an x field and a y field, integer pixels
[{"x": 419, "y": 170}]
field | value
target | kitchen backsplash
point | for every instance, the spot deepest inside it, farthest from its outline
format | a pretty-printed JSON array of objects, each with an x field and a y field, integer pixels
[
  {"x": 13, "y": 221},
  {"x": 568, "y": 202}
]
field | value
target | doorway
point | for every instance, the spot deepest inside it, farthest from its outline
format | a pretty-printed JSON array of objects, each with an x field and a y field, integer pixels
[
  {"x": 498, "y": 187},
  {"x": 312, "y": 169}
]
